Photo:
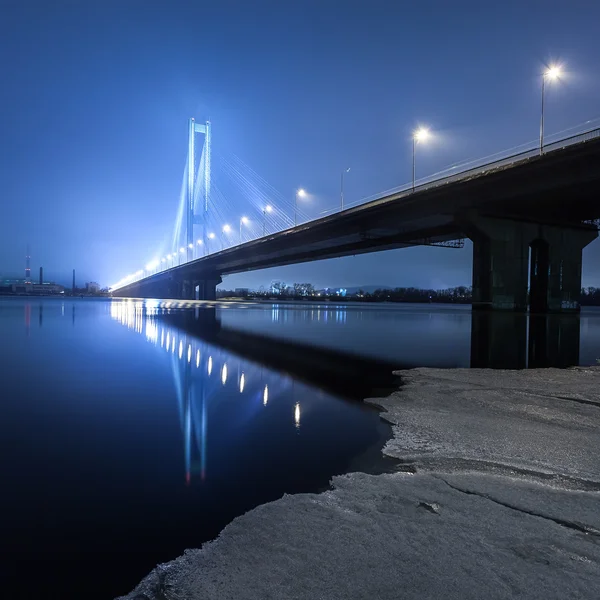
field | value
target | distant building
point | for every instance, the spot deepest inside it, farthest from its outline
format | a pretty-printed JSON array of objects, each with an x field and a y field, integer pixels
[
  {"x": 242, "y": 291},
  {"x": 22, "y": 287},
  {"x": 92, "y": 287}
]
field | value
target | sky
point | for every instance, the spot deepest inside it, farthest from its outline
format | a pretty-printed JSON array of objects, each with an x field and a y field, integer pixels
[{"x": 95, "y": 98}]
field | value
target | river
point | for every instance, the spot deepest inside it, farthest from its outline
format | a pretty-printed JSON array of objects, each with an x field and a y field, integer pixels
[{"x": 134, "y": 430}]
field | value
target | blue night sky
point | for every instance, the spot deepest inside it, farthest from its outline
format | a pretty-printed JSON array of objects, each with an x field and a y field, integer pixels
[{"x": 95, "y": 98}]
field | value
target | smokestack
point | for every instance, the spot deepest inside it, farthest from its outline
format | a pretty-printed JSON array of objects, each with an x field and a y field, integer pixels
[
  {"x": 41, "y": 275},
  {"x": 73, "y": 281},
  {"x": 27, "y": 266}
]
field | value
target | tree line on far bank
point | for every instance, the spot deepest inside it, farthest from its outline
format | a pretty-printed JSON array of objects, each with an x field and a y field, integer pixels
[
  {"x": 306, "y": 291},
  {"x": 590, "y": 296}
]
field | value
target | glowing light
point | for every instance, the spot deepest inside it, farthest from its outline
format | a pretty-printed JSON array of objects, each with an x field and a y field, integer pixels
[
  {"x": 182, "y": 250},
  {"x": 162, "y": 260},
  {"x": 190, "y": 246},
  {"x": 180, "y": 349},
  {"x": 266, "y": 395},
  {"x": 421, "y": 134},
  {"x": 197, "y": 358},
  {"x": 199, "y": 242},
  {"x": 297, "y": 415},
  {"x": 189, "y": 354},
  {"x": 209, "y": 365},
  {"x": 226, "y": 228},
  {"x": 211, "y": 236},
  {"x": 242, "y": 382},
  {"x": 301, "y": 193},
  {"x": 553, "y": 72},
  {"x": 224, "y": 374},
  {"x": 244, "y": 220},
  {"x": 268, "y": 208}
]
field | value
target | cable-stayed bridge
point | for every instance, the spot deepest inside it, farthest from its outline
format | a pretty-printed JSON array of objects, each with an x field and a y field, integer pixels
[{"x": 529, "y": 215}]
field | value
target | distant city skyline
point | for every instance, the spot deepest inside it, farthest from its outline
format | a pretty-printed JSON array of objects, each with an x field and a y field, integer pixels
[{"x": 96, "y": 97}]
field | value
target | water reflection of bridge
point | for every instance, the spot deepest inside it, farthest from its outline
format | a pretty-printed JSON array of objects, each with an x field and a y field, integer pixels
[{"x": 207, "y": 359}]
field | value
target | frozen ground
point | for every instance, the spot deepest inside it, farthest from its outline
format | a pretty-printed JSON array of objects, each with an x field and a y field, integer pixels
[{"x": 503, "y": 502}]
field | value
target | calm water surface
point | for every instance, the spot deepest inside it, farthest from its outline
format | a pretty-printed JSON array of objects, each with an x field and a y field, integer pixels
[{"x": 132, "y": 431}]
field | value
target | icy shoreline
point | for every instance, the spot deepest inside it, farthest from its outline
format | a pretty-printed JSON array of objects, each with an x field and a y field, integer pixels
[{"x": 499, "y": 497}]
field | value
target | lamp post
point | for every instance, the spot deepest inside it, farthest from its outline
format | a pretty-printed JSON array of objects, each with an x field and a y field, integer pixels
[
  {"x": 420, "y": 135},
  {"x": 243, "y": 221},
  {"x": 181, "y": 251},
  {"x": 299, "y": 194},
  {"x": 267, "y": 209},
  {"x": 552, "y": 74},
  {"x": 191, "y": 252},
  {"x": 226, "y": 229},
  {"x": 342, "y": 188},
  {"x": 200, "y": 243},
  {"x": 211, "y": 236}
]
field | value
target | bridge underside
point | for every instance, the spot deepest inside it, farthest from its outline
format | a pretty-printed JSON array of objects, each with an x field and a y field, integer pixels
[{"x": 526, "y": 221}]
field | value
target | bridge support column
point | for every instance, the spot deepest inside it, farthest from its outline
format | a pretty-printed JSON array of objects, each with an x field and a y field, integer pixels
[
  {"x": 564, "y": 268},
  {"x": 207, "y": 288},
  {"x": 501, "y": 264}
]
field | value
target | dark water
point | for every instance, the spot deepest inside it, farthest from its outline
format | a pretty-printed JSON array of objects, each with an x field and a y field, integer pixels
[{"x": 132, "y": 431}]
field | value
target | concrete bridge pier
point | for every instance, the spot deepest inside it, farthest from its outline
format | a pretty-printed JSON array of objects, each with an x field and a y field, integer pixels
[{"x": 508, "y": 255}]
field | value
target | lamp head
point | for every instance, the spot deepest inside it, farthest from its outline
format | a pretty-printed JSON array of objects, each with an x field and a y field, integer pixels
[
  {"x": 553, "y": 72},
  {"x": 421, "y": 134}
]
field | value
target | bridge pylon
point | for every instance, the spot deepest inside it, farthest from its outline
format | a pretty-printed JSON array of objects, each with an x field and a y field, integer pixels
[{"x": 199, "y": 175}]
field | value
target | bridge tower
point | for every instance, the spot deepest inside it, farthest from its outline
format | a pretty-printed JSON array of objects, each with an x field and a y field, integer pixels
[{"x": 195, "y": 179}]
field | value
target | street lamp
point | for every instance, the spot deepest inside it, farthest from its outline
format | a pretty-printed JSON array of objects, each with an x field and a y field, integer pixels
[
  {"x": 342, "y": 188},
  {"x": 551, "y": 74},
  {"x": 420, "y": 135},
  {"x": 299, "y": 194},
  {"x": 267, "y": 209},
  {"x": 181, "y": 251},
  {"x": 243, "y": 221},
  {"x": 199, "y": 242},
  {"x": 226, "y": 229},
  {"x": 211, "y": 236}
]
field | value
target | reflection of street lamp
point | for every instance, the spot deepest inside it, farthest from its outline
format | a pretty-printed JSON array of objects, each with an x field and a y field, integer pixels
[
  {"x": 299, "y": 194},
  {"x": 552, "y": 74},
  {"x": 420, "y": 135},
  {"x": 342, "y": 188},
  {"x": 243, "y": 221},
  {"x": 267, "y": 209}
]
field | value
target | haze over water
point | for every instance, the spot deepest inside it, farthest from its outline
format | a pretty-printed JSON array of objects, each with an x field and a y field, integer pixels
[{"x": 132, "y": 431}]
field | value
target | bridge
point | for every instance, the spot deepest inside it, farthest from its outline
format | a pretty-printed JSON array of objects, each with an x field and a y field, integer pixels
[{"x": 529, "y": 216}]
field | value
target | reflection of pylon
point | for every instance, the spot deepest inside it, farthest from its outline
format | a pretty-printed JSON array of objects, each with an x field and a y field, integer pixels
[
  {"x": 194, "y": 460},
  {"x": 192, "y": 217}
]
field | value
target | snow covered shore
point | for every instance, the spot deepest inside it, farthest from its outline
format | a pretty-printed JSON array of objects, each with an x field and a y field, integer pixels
[{"x": 497, "y": 496}]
